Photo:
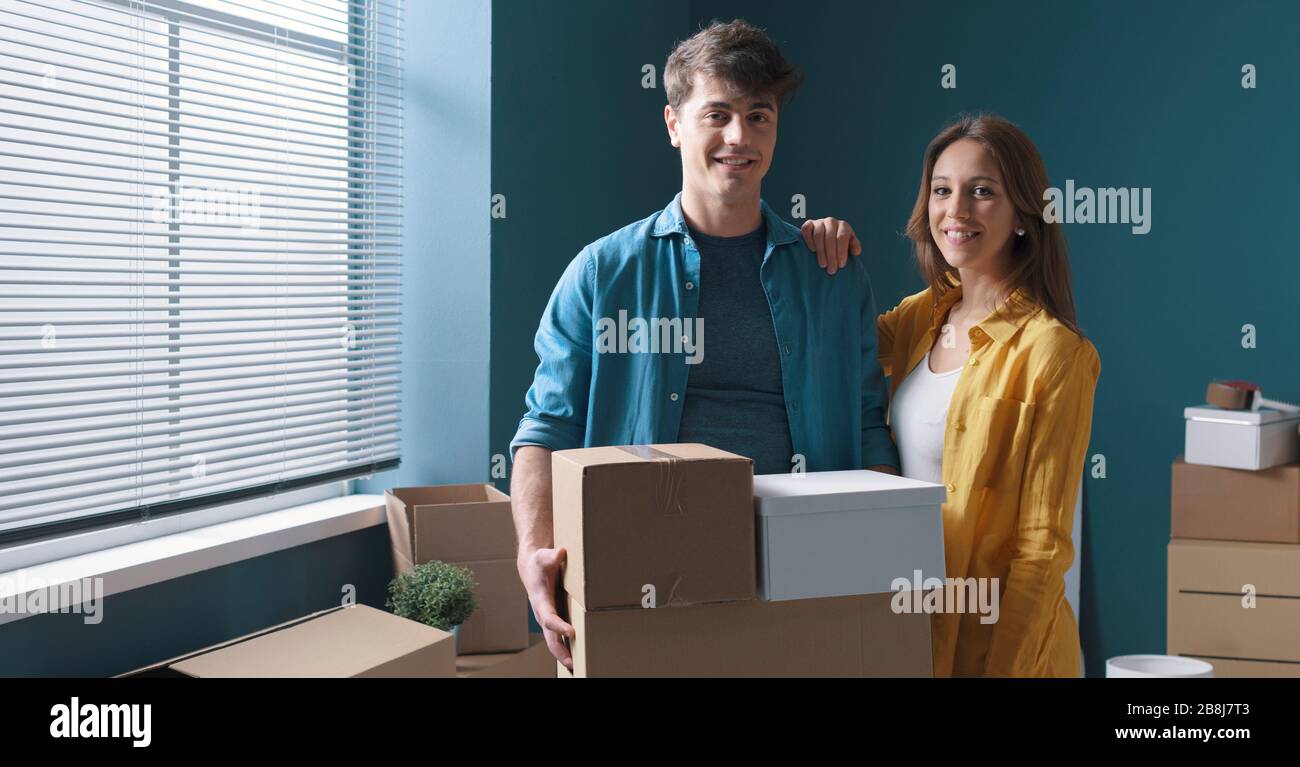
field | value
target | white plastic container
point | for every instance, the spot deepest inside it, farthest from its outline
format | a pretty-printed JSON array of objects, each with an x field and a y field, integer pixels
[
  {"x": 1149, "y": 666},
  {"x": 1241, "y": 439},
  {"x": 842, "y": 533}
]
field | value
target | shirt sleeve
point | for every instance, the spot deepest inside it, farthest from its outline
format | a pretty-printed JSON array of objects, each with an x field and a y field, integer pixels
[
  {"x": 1058, "y": 442},
  {"x": 557, "y": 399},
  {"x": 877, "y": 443}
]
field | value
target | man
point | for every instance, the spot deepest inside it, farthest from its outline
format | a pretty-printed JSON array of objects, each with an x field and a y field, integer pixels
[{"x": 788, "y": 376}]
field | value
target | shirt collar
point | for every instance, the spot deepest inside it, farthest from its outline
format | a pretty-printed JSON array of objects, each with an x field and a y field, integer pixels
[
  {"x": 671, "y": 220},
  {"x": 1002, "y": 325}
]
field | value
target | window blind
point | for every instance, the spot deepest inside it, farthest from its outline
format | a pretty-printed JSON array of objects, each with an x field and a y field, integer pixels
[{"x": 200, "y": 216}]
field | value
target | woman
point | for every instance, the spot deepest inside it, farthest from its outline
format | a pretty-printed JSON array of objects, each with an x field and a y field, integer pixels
[{"x": 992, "y": 392}]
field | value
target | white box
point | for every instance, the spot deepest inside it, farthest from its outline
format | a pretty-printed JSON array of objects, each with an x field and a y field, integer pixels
[
  {"x": 1241, "y": 439},
  {"x": 843, "y": 533}
]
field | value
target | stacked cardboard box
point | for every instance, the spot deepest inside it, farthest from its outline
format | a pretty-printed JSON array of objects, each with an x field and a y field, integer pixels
[
  {"x": 661, "y": 578},
  {"x": 469, "y": 526},
  {"x": 1236, "y": 606},
  {"x": 1234, "y": 557}
]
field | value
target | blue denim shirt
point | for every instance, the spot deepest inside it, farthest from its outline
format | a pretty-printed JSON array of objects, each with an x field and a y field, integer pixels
[{"x": 835, "y": 395}]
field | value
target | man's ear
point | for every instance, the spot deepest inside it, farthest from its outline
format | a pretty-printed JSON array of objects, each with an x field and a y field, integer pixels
[{"x": 670, "y": 120}]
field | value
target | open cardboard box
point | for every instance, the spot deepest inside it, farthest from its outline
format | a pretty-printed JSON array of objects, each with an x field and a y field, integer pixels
[
  {"x": 357, "y": 641},
  {"x": 468, "y": 526}
]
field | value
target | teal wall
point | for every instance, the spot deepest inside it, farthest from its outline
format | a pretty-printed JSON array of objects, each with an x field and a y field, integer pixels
[
  {"x": 579, "y": 149},
  {"x": 1114, "y": 94}
]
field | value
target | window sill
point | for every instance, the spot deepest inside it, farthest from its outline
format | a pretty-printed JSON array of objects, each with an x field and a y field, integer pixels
[{"x": 146, "y": 562}]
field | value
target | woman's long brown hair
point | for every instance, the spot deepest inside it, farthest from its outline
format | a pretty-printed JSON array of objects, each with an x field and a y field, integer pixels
[{"x": 1040, "y": 264}]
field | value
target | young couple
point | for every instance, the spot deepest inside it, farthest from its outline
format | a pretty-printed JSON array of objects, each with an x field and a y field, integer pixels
[{"x": 992, "y": 382}]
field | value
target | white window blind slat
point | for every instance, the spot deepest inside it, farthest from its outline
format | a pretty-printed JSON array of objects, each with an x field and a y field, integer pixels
[{"x": 200, "y": 230}]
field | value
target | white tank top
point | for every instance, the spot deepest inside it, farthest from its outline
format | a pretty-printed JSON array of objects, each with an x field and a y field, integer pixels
[{"x": 920, "y": 417}]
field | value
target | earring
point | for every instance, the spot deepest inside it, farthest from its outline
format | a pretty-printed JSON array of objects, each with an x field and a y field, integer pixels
[{"x": 1020, "y": 232}]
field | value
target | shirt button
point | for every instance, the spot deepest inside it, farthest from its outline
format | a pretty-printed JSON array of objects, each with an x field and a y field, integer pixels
[
  {"x": 950, "y": 487},
  {"x": 686, "y": 340},
  {"x": 794, "y": 406},
  {"x": 961, "y": 427},
  {"x": 973, "y": 363},
  {"x": 690, "y": 286},
  {"x": 673, "y": 396},
  {"x": 787, "y": 349}
]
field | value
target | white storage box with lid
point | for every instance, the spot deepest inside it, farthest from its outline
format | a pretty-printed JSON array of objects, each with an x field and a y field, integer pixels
[
  {"x": 1241, "y": 439},
  {"x": 841, "y": 533}
]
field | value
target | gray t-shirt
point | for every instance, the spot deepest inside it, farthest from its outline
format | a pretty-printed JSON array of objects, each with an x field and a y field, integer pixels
[{"x": 735, "y": 400}]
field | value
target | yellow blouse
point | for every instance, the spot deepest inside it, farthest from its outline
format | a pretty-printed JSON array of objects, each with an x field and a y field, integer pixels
[{"x": 1014, "y": 450}]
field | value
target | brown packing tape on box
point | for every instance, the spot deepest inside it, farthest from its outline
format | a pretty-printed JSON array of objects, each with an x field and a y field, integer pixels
[
  {"x": 500, "y": 624},
  {"x": 669, "y": 523},
  {"x": 1212, "y": 585},
  {"x": 1235, "y": 504},
  {"x": 535, "y": 662},
  {"x": 449, "y": 523},
  {"x": 858, "y": 636}
]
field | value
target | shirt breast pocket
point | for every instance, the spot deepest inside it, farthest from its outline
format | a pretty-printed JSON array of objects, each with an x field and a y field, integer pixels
[{"x": 1002, "y": 428}]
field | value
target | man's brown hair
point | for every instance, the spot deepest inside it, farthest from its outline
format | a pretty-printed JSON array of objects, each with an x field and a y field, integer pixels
[{"x": 737, "y": 53}]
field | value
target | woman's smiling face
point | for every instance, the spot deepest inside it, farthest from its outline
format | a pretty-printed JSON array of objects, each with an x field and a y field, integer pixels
[{"x": 971, "y": 215}]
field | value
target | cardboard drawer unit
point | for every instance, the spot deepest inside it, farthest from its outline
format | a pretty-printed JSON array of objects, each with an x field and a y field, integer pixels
[{"x": 1212, "y": 587}]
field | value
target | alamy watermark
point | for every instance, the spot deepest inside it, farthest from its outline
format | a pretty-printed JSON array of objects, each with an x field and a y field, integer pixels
[
  {"x": 234, "y": 204},
  {"x": 947, "y": 595},
  {"x": 30, "y": 595},
  {"x": 1106, "y": 205},
  {"x": 656, "y": 335},
  {"x": 75, "y": 719}
]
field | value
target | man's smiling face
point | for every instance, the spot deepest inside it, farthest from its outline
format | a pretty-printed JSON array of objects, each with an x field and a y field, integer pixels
[{"x": 726, "y": 139}]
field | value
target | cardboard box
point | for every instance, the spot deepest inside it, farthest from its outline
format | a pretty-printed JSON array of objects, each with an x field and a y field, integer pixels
[
  {"x": 500, "y": 624},
  {"x": 1241, "y": 439},
  {"x": 1208, "y": 613},
  {"x": 449, "y": 523},
  {"x": 469, "y": 526},
  {"x": 675, "y": 522},
  {"x": 839, "y": 533},
  {"x": 859, "y": 636},
  {"x": 1236, "y": 504},
  {"x": 357, "y": 641},
  {"x": 535, "y": 662}
]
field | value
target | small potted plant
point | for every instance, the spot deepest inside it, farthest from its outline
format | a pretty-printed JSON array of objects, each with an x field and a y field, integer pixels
[{"x": 436, "y": 594}]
